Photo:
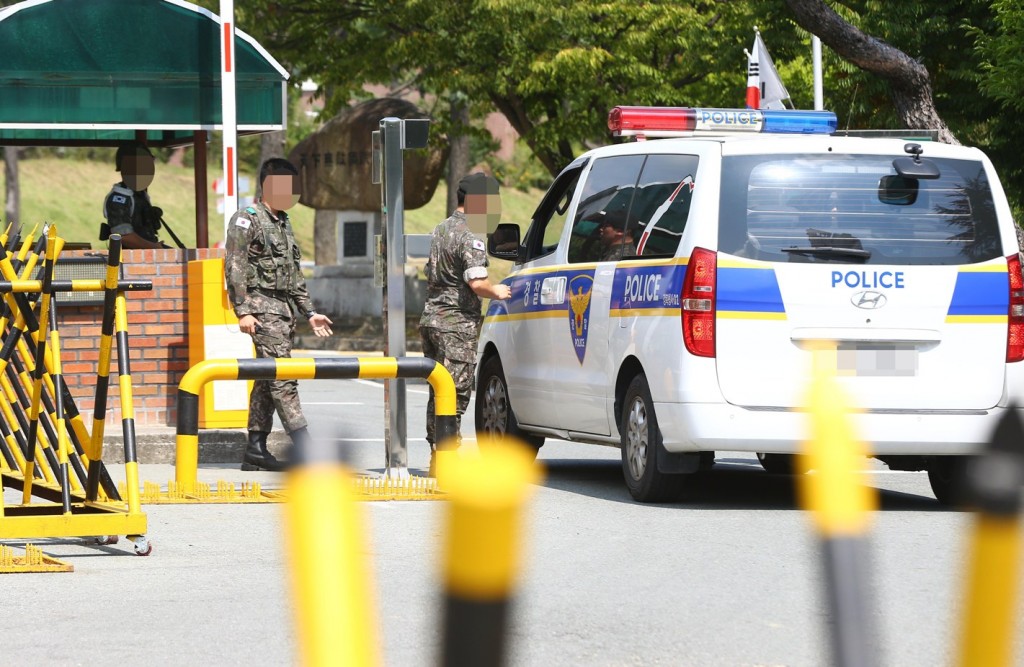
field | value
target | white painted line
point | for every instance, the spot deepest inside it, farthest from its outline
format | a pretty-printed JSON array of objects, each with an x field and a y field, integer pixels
[{"x": 333, "y": 403}]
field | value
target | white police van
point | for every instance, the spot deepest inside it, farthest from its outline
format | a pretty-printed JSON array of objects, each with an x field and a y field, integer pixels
[{"x": 668, "y": 295}]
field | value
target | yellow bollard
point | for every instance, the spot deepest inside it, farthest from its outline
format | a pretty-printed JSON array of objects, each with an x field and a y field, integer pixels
[
  {"x": 840, "y": 505},
  {"x": 993, "y": 482},
  {"x": 482, "y": 549},
  {"x": 336, "y": 617}
]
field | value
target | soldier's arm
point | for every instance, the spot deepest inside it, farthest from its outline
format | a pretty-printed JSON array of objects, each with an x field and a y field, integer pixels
[
  {"x": 474, "y": 258},
  {"x": 298, "y": 293},
  {"x": 236, "y": 262}
]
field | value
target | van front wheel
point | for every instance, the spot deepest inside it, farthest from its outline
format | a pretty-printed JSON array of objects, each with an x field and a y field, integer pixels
[
  {"x": 640, "y": 438},
  {"x": 494, "y": 416}
]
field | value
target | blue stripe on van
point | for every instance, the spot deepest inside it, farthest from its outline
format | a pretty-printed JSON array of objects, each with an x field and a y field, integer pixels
[
  {"x": 980, "y": 293},
  {"x": 749, "y": 290}
]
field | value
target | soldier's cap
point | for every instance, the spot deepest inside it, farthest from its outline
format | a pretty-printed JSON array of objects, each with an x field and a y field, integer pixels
[
  {"x": 130, "y": 148},
  {"x": 615, "y": 217},
  {"x": 478, "y": 183}
]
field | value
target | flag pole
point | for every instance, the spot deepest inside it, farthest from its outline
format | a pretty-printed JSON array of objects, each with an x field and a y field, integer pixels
[{"x": 816, "y": 57}]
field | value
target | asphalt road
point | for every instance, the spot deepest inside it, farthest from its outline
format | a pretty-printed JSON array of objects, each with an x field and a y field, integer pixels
[{"x": 730, "y": 577}]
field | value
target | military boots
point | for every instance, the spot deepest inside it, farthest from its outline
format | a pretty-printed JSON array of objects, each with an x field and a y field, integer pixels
[{"x": 257, "y": 456}]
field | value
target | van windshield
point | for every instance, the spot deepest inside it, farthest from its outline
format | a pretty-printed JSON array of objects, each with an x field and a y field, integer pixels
[{"x": 855, "y": 209}]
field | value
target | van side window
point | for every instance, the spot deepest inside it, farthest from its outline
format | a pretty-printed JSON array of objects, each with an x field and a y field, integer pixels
[
  {"x": 661, "y": 204},
  {"x": 598, "y": 232},
  {"x": 550, "y": 217}
]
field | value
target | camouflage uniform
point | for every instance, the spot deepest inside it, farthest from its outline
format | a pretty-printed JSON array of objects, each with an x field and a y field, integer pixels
[
  {"x": 127, "y": 211},
  {"x": 261, "y": 269},
  {"x": 451, "y": 317}
]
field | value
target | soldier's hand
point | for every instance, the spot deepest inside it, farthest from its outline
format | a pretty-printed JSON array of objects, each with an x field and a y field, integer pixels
[
  {"x": 247, "y": 324},
  {"x": 502, "y": 292},
  {"x": 321, "y": 325}
]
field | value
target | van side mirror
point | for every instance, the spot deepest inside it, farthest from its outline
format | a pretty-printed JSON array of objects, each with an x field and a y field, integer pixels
[{"x": 503, "y": 242}]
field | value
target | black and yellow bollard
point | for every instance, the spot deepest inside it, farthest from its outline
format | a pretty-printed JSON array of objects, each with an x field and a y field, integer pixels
[
  {"x": 993, "y": 484},
  {"x": 840, "y": 505},
  {"x": 483, "y": 550},
  {"x": 335, "y": 613},
  {"x": 94, "y": 447}
]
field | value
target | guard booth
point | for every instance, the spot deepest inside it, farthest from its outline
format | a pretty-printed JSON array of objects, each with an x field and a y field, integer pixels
[{"x": 102, "y": 72}]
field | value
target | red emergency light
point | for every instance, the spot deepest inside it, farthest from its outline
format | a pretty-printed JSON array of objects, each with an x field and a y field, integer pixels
[
  {"x": 650, "y": 120},
  {"x": 685, "y": 121}
]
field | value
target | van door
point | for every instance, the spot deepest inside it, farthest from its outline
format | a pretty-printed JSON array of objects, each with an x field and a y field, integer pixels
[
  {"x": 907, "y": 290},
  {"x": 579, "y": 340},
  {"x": 538, "y": 297}
]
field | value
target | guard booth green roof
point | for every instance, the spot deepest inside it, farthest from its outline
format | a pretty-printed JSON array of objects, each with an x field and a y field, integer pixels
[{"x": 94, "y": 72}]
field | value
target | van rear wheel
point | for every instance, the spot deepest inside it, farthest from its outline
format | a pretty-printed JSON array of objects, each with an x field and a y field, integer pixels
[
  {"x": 946, "y": 476},
  {"x": 494, "y": 416},
  {"x": 640, "y": 439}
]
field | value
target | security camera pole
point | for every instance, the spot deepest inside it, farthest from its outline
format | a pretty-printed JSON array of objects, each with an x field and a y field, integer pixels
[{"x": 395, "y": 135}]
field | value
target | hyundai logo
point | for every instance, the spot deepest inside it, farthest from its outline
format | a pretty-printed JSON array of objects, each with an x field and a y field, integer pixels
[{"x": 869, "y": 300}]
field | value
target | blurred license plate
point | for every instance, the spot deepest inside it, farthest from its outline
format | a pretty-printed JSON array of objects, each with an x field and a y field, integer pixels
[{"x": 876, "y": 359}]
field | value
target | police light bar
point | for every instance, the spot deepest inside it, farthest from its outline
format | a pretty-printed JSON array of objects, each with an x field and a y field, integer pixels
[{"x": 687, "y": 121}]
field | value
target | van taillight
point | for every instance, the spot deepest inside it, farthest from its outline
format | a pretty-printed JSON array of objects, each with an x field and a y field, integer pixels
[
  {"x": 1015, "y": 326},
  {"x": 698, "y": 303}
]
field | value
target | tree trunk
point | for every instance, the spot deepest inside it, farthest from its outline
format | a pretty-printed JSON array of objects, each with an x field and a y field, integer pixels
[
  {"x": 909, "y": 85},
  {"x": 12, "y": 211},
  {"x": 458, "y": 152},
  {"x": 272, "y": 145}
]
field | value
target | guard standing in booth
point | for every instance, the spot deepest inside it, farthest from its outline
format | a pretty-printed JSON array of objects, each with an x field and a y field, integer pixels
[
  {"x": 264, "y": 282},
  {"x": 127, "y": 208}
]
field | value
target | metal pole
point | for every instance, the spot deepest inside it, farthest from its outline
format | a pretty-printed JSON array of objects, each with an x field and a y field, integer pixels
[
  {"x": 397, "y": 455},
  {"x": 816, "y": 58},
  {"x": 199, "y": 173},
  {"x": 228, "y": 114}
]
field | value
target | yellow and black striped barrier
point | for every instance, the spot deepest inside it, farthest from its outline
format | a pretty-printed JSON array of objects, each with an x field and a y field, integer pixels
[
  {"x": 44, "y": 436},
  {"x": 17, "y": 363},
  {"x": 187, "y": 439},
  {"x": 841, "y": 506},
  {"x": 993, "y": 484}
]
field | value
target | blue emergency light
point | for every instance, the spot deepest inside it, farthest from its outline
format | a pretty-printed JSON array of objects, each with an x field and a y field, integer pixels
[{"x": 687, "y": 121}]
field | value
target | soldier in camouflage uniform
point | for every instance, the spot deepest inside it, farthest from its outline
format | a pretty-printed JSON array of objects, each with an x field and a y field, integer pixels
[
  {"x": 264, "y": 281},
  {"x": 127, "y": 208},
  {"x": 456, "y": 279}
]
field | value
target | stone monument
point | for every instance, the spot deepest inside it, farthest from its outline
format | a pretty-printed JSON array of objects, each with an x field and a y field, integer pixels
[{"x": 334, "y": 165}]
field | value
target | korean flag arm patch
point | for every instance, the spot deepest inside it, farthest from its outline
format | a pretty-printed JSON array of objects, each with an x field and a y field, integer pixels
[
  {"x": 478, "y": 244},
  {"x": 119, "y": 199},
  {"x": 243, "y": 222}
]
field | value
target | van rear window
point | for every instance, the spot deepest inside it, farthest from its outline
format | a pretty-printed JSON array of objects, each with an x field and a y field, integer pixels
[{"x": 788, "y": 208}]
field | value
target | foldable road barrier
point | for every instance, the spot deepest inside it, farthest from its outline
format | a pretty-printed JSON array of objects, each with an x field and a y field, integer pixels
[
  {"x": 46, "y": 451},
  {"x": 186, "y": 487}
]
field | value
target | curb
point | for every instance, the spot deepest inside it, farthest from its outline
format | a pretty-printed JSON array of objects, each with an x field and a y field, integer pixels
[{"x": 215, "y": 446}]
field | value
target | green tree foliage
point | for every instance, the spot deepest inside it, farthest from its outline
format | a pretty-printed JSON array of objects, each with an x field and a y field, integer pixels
[
  {"x": 969, "y": 49},
  {"x": 555, "y": 67},
  {"x": 552, "y": 67}
]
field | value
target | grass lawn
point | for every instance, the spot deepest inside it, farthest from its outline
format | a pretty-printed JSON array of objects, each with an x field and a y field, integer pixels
[{"x": 70, "y": 193}]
